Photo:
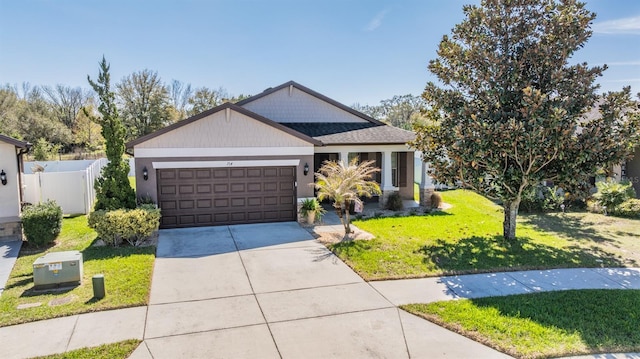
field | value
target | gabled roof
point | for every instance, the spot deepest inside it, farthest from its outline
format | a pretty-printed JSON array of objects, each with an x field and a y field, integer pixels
[
  {"x": 13, "y": 141},
  {"x": 353, "y": 133},
  {"x": 312, "y": 93},
  {"x": 227, "y": 105}
]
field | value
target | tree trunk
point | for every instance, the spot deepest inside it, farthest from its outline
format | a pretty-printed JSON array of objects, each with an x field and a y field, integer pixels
[
  {"x": 510, "y": 216},
  {"x": 347, "y": 222}
]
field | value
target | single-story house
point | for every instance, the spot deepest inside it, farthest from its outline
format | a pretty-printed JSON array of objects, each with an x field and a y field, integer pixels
[
  {"x": 11, "y": 151},
  {"x": 253, "y": 161}
]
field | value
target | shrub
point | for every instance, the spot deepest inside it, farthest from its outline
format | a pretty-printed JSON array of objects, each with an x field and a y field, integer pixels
[
  {"x": 542, "y": 198},
  {"x": 629, "y": 208},
  {"x": 133, "y": 225},
  {"x": 612, "y": 194},
  {"x": 42, "y": 222},
  {"x": 394, "y": 202},
  {"x": 436, "y": 200}
]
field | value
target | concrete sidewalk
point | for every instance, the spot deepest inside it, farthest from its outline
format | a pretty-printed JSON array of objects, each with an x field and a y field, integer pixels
[
  {"x": 271, "y": 290},
  {"x": 9, "y": 251},
  {"x": 426, "y": 290}
]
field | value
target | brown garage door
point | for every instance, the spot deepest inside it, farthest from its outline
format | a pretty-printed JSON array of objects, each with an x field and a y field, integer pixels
[{"x": 191, "y": 197}]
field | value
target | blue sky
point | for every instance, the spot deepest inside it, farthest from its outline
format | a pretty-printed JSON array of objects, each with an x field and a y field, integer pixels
[{"x": 350, "y": 50}]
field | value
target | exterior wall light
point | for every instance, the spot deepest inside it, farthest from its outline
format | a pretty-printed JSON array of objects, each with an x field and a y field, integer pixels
[
  {"x": 3, "y": 178},
  {"x": 306, "y": 169},
  {"x": 145, "y": 173}
]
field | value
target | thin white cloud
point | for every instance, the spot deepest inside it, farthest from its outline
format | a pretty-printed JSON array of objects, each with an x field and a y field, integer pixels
[
  {"x": 376, "y": 21},
  {"x": 627, "y": 25},
  {"x": 623, "y": 80},
  {"x": 624, "y": 63}
]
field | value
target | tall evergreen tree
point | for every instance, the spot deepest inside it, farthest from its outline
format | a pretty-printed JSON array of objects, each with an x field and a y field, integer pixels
[
  {"x": 113, "y": 190},
  {"x": 512, "y": 109}
]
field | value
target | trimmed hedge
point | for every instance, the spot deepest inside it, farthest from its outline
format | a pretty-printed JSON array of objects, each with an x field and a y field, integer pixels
[
  {"x": 131, "y": 225},
  {"x": 42, "y": 222}
]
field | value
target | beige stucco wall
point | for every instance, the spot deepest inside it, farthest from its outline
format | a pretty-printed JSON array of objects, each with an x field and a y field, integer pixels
[
  {"x": 216, "y": 130},
  {"x": 149, "y": 188},
  {"x": 9, "y": 194},
  {"x": 292, "y": 105}
]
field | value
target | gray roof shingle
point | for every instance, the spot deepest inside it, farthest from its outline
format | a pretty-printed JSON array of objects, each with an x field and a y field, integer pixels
[{"x": 353, "y": 133}]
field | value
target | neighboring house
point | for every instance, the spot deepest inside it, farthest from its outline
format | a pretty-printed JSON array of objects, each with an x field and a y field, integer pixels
[
  {"x": 631, "y": 171},
  {"x": 253, "y": 161},
  {"x": 11, "y": 151}
]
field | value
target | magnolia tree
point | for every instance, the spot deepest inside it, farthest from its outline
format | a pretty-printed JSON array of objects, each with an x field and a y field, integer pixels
[
  {"x": 510, "y": 108},
  {"x": 345, "y": 184}
]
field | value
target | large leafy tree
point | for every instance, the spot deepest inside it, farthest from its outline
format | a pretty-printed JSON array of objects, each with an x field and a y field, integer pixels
[
  {"x": 145, "y": 103},
  {"x": 510, "y": 108},
  {"x": 113, "y": 190},
  {"x": 345, "y": 184},
  {"x": 205, "y": 98}
]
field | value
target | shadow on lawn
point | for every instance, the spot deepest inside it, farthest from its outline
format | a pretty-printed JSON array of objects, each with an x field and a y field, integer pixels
[
  {"x": 566, "y": 226},
  {"x": 605, "y": 319},
  {"x": 482, "y": 254}
]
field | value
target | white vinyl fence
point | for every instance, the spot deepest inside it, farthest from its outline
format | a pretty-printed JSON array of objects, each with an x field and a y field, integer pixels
[{"x": 69, "y": 183}]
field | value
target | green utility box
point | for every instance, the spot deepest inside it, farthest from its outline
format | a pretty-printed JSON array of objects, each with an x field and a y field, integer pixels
[{"x": 57, "y": 269}]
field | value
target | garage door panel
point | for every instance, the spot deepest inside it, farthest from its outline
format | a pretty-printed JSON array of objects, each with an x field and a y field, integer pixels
[
  {"x": 203, "y": 174},
  {"x": 287, "y": 172},
  {"x": 187, "y": 204},
  {"x": 203, "y": 188},
  {"x": 238, "y": 202},
  {"x": 238, "y": 187},
  {"x": 218, "y": 196},
  {"x": 167, "y": 174},
  {"x": 270, "y": 172},
  {"x": 254, "y": 201},
  {"x": 270, "y": 186},
  {"x": 286, "y": 186},
  {"x": 188, "y": 219},
  {"x": 204, "y": 203},
  {"x": 254, "y": 187},
  {"x": 221, "y": 202},
  {"x": 167, "y": 190},
  {"x": 205, "y": 218},
  {"x": 220, "y": 173},
  {"x": 237, "y": 173},
  {"x": 186, "y": 174},
  {"x": 254, "y": 172}
]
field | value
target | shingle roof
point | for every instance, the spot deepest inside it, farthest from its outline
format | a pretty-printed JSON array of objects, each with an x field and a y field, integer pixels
[
  {"x": 353, "y": 133},
  {"x": 13, "y": 141}
]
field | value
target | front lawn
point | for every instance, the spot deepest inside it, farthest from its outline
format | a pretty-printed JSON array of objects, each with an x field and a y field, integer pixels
[
  {"x": 120, "y": 350},
  {"x": 542, "y": 325},
  {"x": 467, "y": 238},
  {"x": 127, "y": 272}
]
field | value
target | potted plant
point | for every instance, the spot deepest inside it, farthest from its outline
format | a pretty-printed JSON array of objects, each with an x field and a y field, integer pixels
[{"x": 311, "y": 209}]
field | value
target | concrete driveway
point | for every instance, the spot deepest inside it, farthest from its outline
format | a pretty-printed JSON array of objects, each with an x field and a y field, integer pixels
[{"x": 272, "y": 291}]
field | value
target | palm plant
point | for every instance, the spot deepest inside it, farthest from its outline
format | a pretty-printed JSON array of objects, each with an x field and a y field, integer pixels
[{"x": 345, "y": 184}]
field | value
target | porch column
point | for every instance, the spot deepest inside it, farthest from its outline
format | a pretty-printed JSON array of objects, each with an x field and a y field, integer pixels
[
  {"x": 344, "y": 157},
  {"x": 387, "y": 183},
  {"x": 427, "y": 186}
]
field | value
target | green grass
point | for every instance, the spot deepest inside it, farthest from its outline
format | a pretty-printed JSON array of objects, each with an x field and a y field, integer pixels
[
  {"x": 467, "y": 238},
  {"x": 120, "y": 350},
  {"x": 547, "y": 324},
  {"x": 132, "y": 182},
  {"x": 127, "y": 272}
]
